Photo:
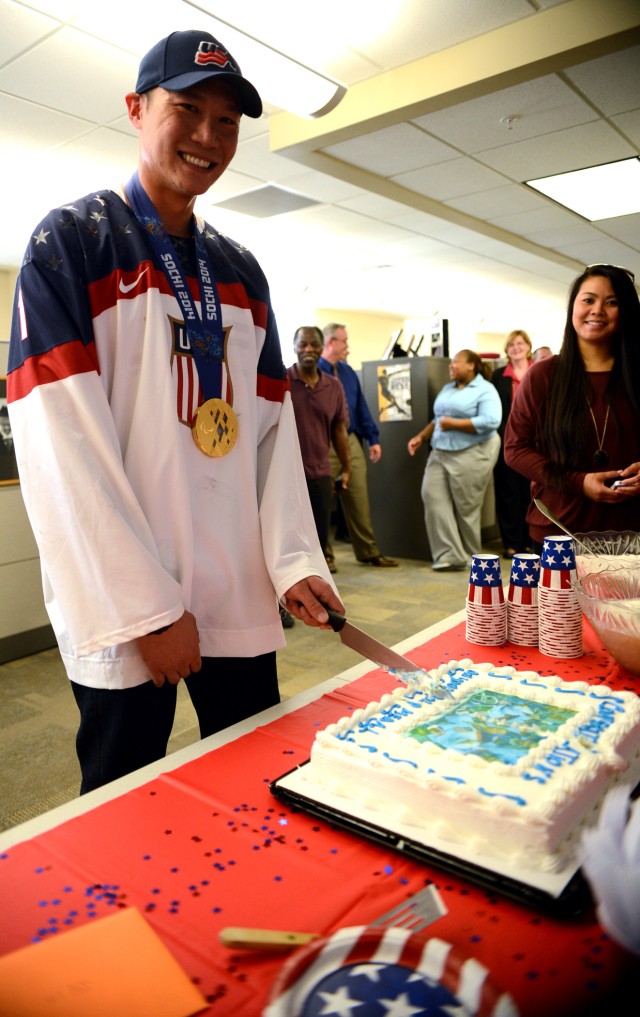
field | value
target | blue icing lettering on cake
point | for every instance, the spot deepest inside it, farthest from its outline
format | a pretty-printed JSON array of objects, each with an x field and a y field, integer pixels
[{"x": 511, "y": 762}]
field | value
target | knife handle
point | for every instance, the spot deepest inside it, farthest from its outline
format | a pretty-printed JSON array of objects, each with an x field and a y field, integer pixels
[
  {"x": 336, "y": 621},
  {"x": 264, "y": 939}
]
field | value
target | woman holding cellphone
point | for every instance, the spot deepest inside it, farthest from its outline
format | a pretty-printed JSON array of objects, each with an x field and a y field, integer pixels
[{"x": 574, "y": 427}]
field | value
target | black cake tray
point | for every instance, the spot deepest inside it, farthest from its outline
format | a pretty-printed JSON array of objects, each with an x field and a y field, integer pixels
[{"x": 572, "y": 898}]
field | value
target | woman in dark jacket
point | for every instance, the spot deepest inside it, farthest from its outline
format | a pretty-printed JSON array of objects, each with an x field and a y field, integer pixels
[
  {"x": 574, "y": 428},
  {"x": 512, "y": 490}
]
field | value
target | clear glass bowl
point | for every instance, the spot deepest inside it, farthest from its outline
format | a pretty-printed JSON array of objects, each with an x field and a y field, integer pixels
[
  {"x": 610, "y": 600},
  {"x": 604, "y": 549}
]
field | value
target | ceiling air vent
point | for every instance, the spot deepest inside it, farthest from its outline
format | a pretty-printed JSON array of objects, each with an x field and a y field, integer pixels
[{"x": 266, "y": 201}]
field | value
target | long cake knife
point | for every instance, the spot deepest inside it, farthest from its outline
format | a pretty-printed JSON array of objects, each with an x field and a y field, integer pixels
[{"x": 367, "y": 646}]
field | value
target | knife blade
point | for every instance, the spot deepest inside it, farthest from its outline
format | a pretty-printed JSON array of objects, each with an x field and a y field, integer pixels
[{"x": 367, "y": 646}]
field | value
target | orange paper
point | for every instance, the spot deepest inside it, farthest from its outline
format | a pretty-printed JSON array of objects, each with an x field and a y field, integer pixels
[{"x": 115, "y": 965}]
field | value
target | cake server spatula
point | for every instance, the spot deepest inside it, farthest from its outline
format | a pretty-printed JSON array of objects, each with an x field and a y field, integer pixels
[
  {"x": 556, "y": 522},
  {"x": 369, "y": 647},
  {"x": 413, "y": 914}
]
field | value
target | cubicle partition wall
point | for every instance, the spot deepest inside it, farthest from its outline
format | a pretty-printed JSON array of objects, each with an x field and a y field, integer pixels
[{"x": 400, "y": 394}]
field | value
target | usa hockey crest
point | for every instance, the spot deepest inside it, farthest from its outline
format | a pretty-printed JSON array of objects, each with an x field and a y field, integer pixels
[{"x": 189, "y": 393}]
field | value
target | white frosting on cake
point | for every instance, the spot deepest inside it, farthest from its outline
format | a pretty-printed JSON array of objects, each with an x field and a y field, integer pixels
[{"x": 510, "y": 762}]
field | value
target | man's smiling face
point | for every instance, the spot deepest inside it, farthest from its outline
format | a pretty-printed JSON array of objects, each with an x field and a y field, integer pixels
[
  {"x": 187, "y": 138},
  {"x": 308, "y": 348}
]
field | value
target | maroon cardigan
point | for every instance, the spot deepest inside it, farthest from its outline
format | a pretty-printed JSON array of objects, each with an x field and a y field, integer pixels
[{"x": 526, "y": 455}]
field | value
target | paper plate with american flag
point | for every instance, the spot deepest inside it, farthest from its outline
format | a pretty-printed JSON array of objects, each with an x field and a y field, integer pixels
[{"x": 385, "y": 973}]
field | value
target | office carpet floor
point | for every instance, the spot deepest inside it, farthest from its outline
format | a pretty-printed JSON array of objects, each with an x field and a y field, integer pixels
[{"x": 38, "y": 715}]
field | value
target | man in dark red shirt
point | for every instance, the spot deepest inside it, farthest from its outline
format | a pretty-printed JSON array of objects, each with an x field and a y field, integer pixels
[{"x": 321, "y": 419}]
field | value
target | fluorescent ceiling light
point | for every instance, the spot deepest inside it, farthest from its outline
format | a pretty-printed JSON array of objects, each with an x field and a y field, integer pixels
[
  {"x": 599, "y": 192},
  {"x": 280, "y": 79}
]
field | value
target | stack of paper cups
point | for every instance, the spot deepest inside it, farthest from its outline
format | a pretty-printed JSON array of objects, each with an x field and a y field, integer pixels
[
  {"x": 559, "y": 614},
  {"x": 522, "y": 600},
  {"x": 486, "y": 607}
]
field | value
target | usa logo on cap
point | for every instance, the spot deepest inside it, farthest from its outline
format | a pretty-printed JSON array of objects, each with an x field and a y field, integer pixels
[{"x": 213, "y": 53}]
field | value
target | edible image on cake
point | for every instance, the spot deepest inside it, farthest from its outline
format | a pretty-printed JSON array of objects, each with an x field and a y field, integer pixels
[{"x": 499, "y": 728}]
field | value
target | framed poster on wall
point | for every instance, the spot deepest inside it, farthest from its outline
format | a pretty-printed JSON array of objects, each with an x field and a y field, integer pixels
[
  {"x": 8, "y": 464},
  {"x": 439, "y": 338},
  {"x": 394, "y": 392}
]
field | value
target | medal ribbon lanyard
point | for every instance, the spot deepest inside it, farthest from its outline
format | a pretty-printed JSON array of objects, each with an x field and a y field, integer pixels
[{"x": 205, "y": 334}]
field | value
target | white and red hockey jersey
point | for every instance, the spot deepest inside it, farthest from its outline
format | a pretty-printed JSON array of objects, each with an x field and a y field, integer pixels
[{"x": 133, "y": 522}]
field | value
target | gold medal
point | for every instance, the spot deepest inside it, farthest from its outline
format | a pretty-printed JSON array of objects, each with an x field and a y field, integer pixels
[{"x": 215, "y": 428}]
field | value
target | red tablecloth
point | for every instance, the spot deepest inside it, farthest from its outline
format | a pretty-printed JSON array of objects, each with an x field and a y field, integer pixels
[{"x": 206, "y": 845}]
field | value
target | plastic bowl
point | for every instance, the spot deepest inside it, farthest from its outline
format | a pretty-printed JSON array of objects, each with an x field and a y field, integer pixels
[
  {"x": 604, "y": 549},
  {"x": 610, "y": 600}
]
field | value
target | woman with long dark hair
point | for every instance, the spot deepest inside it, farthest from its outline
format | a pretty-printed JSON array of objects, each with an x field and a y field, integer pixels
[
  {"x": 574, "y": 427},
  {"x": 464, "y": 448}
]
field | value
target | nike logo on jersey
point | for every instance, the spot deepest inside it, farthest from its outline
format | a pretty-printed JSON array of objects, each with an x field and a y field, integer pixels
[{"x": 127, "y": 287}]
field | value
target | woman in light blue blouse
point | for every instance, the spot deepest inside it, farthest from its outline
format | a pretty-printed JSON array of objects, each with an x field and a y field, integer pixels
[{"x": 464, "y": 449}]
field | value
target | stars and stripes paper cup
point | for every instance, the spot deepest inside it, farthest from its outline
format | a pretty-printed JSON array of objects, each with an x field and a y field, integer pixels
[
  {"x": 559, "y": 614},
  {"x": 383, "y": 971},
  {"x": 486, "y": 609},
  {"x": 522, "y": 600},
  {"x": 524, "y": 578},
  {"x": 558, "y": 562},
  {"x": 485, "y": 580}
]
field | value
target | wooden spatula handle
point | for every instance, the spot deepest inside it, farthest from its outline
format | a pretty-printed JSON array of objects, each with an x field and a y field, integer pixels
[{"x": 264, "y": 939}]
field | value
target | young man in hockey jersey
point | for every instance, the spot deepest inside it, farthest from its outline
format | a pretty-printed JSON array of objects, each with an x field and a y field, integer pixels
[{"x": 155, "y": 434}]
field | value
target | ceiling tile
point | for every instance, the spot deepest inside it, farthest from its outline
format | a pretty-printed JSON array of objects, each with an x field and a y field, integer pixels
[
  {"x": 323, "y": 187},
  {"x": 550, "y": 217},
  {"x": 231, "y": 182},
  {"x": 625, "y": 228},
  {"x": 559, "y": 236},
  {"x": 98, "y": 97},
  {"x": 114, "y": 151},
  {"x": 427, "y": 28},
  {"x": 374, "y": 205},
  {"x": 540, "y": 106},
  {"x": 629, "y": 124},
  {"x": 62, "y": 10},
  {"x": 27, "y": 28},
  {"x": 415, "y": 246},
  {"x": 431, "y": 226},
  {"x": 510, "y": 199},
  {"x": 606, "y": 251},
  {"x": 594, "y": 80},
  {"x": 450, "y": 179},
  {"x": 143, "y": 28},
  {"x": 392, "y": 150},
  {"x": 27, "y": 126},
  {"x": 577, "y": 147},
  {"x": 254, "y": 158}
]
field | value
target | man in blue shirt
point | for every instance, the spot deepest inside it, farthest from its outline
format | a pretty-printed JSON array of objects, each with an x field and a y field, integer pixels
[{"x": 361, "y": 427}]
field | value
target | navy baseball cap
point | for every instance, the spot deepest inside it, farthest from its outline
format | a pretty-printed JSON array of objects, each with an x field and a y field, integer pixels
[{"x": 184, "y": 59}]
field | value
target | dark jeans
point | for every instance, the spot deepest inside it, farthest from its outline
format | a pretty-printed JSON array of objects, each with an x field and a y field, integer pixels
[{"x": 123, "y": 729}]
